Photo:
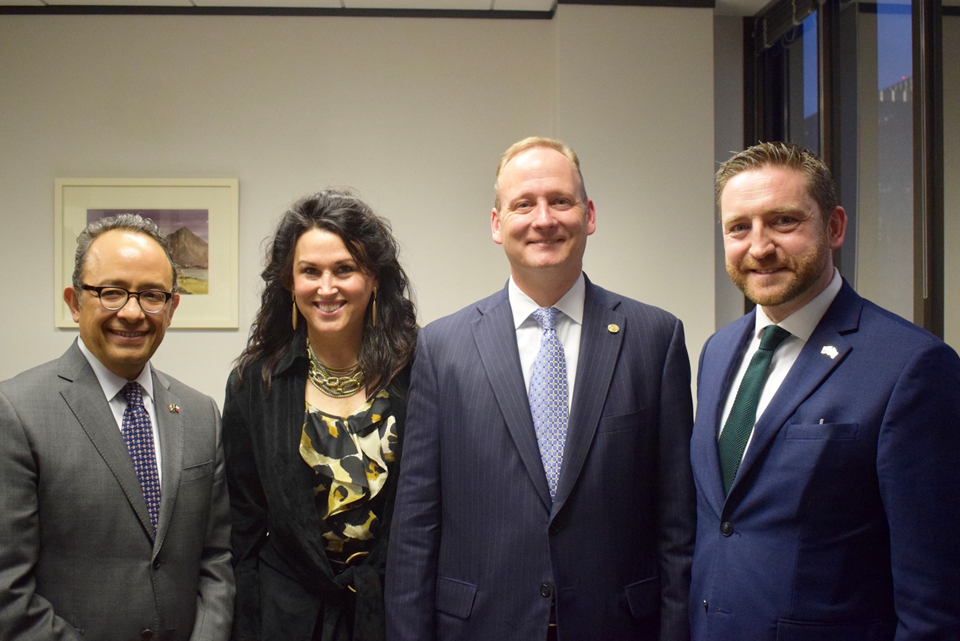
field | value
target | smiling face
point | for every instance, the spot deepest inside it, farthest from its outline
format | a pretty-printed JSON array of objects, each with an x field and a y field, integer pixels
[
  {"x": 123, "y": 340},
  {"x": 542, "y": 223},
  {"x": 777, "y": 246},
  {"x": 331, "y": 290}
]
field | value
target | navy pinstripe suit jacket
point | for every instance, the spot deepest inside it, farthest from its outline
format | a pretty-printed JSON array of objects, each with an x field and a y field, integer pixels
[{"x": 479, "y": 551}]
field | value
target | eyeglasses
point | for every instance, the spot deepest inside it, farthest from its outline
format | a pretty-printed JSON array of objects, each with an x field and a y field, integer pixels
[{"x": 151, "y": 301}]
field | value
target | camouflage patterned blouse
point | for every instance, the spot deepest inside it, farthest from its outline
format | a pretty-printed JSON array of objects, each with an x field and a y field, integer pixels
[{"x": 351, "y": 458}]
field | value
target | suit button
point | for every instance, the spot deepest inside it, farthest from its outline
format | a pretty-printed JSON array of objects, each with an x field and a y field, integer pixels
[
  {"x": 545, "y": 590},
  {"x": 146, "y": 635},
  {"x": 726, "y": 528},
  {"x": 554, "y": 529},
  {"x": 156, "y": 566}
]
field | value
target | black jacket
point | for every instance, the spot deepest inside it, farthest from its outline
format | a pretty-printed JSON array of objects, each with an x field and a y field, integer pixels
[{"x": 284, "y": 581}]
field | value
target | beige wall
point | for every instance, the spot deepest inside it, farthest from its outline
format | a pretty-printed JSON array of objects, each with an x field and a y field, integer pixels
[
  {"x": 727, "y": 140},
  {"x": 411, "y": 112},
  {"x": 951, "y": 173}
]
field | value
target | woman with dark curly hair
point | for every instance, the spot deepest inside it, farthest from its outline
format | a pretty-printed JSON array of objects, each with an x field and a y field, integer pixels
[{"x": 312, "y": 425}]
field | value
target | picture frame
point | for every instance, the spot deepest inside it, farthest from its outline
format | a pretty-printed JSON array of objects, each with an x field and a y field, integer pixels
[{"x": 201, "y": 219}]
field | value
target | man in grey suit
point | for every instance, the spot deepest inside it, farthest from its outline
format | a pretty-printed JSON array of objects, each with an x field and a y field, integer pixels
[
  {"x": 114, "y": 519},
  {"x": 545, "y": 489}
]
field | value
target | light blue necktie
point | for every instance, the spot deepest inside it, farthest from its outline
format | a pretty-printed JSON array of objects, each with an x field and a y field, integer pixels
[
  {"x": 548, "y": 396},
  {"x": 138, "y": 435}
]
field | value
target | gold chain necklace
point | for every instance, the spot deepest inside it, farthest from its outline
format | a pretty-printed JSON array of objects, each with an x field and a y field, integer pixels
[{"x": 335, "y": 383}]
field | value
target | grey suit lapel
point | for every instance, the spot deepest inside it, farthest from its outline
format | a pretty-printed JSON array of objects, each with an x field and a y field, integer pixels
[
  {"x": 496, "y": 341},
  {"x": 170, "y": 428},
  {"x": 83, "y": 395},
  {"x": 807, "y": 374},
  {"x": 599, "y": 350}
]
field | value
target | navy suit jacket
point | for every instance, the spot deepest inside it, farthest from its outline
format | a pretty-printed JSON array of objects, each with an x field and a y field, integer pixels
[
  {"x": 842, "y": 522},
  {"x": 479, "y": 551}
]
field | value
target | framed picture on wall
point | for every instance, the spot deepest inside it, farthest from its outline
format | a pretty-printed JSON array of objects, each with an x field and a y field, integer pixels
[{"x": 200, "y": 217}]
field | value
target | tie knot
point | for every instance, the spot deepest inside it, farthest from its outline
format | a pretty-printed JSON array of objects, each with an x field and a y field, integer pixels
[
  {"x": 132, "y": 392},
  {"x": 546, "y": 316},
  {"x": 773, "y": 335}
]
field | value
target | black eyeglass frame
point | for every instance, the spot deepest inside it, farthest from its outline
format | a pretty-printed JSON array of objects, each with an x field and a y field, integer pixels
[{"x": 98, "y": 290}]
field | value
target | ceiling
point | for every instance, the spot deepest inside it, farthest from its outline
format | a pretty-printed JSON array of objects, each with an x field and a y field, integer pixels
[
  {"x": 740, "y": 7},
  {"x": 723, "y": 7}
]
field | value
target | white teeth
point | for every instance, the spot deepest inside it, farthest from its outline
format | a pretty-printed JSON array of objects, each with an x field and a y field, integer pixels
[{"x": 329, "y": 308}]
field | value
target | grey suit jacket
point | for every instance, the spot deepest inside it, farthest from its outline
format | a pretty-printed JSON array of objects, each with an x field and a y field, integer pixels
[{"x": 78, "y": 558}]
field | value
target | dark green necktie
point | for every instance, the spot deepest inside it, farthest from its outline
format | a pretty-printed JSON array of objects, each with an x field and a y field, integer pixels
[{"x": 743, "y": 414}]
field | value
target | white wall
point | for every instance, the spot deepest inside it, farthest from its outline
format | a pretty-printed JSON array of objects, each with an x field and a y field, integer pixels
[{"x": 413, "y": 113}]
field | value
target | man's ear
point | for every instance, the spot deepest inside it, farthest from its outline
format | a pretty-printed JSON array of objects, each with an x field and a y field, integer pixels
[
  {"x": 495, "y": 226},
  {"x": 174, "y": 302},
  {"x": 72, "y": 300},
  {"x": 591, "y": 217},
  {"x": 837, "y": 227}
]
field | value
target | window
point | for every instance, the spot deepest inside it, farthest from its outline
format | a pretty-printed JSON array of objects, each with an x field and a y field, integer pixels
[{"x": 847, "y": 80}]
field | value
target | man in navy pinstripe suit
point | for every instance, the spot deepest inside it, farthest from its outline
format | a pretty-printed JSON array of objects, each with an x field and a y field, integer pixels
[{"x": 580, "y": 528}]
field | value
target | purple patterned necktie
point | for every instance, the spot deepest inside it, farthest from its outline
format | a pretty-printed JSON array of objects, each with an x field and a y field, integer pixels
[
  {"x": 548, "y": 396},
  {"x": 138, "y": 435}
]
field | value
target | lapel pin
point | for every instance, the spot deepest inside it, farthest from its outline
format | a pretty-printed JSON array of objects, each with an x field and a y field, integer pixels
[
  {"x": 613, "y": 328},
  {"x": 830, "y": 351},
  {"x": 174, "y": 408}
]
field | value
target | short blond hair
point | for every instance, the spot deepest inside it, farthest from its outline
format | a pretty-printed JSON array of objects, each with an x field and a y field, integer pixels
[{"x": 529, "y": 143}]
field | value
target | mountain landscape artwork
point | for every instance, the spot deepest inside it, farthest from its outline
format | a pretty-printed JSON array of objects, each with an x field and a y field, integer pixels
[{"x": 188, "y": 231}]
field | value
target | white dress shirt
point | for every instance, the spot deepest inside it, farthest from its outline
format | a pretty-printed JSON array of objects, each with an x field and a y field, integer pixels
[
  {"x": 800, "y": 324},
  {"x": 568, "y": 324},
  {"x": 113, "y": 384}
]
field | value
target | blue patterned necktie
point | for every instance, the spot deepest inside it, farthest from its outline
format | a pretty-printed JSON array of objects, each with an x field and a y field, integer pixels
[
  {"x": 138, "y": 435},
  {"x": 743, "y": 414},
  {"x": 548, "y": 396}
]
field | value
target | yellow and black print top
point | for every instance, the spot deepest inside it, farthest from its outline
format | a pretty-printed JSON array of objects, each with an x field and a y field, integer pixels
[{"x": 350, "y": 457}]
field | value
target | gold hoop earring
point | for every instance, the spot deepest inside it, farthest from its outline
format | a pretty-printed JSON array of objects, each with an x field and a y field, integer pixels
[
  {"x": 374, "y": 313},
  {"x": 293, "y": 297}
]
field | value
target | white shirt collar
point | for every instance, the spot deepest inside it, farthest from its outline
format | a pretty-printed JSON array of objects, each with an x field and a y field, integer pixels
[
  {"x": 802, "y": 322},
  {"x": 110, "y": 382},
  {"x": 571, "y": 303}
]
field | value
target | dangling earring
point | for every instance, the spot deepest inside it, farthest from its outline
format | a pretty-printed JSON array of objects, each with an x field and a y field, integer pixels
[
  {"x": 374, "y": 314},
  {"x": 293, "y": 297}
]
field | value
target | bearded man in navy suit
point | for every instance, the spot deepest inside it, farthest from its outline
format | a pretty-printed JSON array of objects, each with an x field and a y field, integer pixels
[
  {"x": 546, "y": 489},
  {"x": 836, "y": 517}
]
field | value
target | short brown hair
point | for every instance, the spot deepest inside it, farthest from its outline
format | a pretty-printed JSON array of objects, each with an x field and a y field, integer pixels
[
  {"x": 529, "y": 143},
  {"x": 820, "y": 184}
]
